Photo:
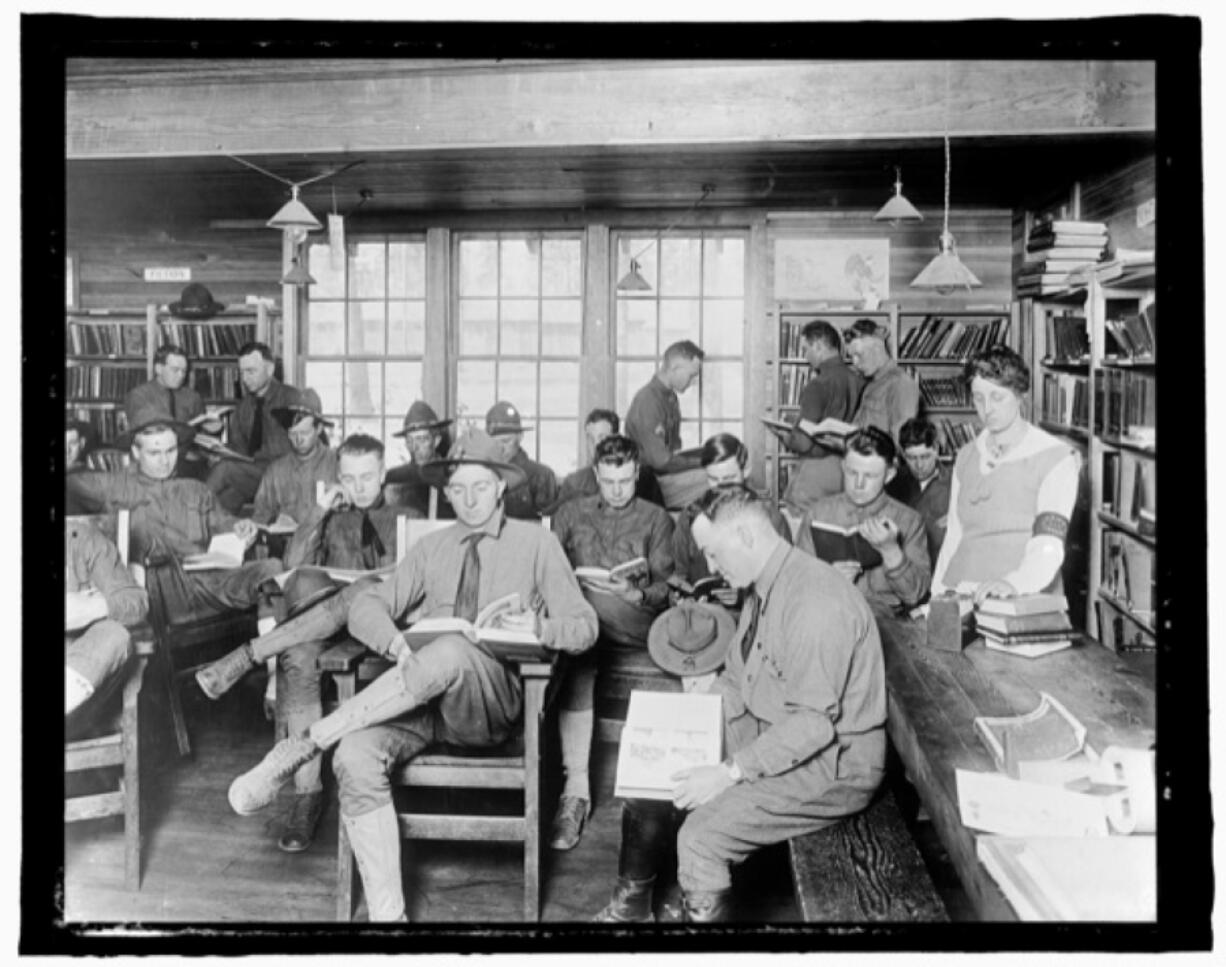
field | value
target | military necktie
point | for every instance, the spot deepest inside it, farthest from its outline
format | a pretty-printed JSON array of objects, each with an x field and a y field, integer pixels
[
  {"x": 470, "y": 580},
  {"x": 256, "y": 440},
  {"x": 171, "y": 394},
  {"x": 372, "y": 544},
  {"x": 751, "y": 629}
]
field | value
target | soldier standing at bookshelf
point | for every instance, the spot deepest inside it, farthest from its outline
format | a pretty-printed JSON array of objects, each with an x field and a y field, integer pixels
[
  {"x": 447, "y": 690},
  {"x": 1013, "y": 491},
  {"x": 893, "y": 530},
  {"x": 834, "y": 391},
  {"x": 606, "y": 530},
  {"x": 253, "y": 429},
  {"x": 890, "y": 397}
]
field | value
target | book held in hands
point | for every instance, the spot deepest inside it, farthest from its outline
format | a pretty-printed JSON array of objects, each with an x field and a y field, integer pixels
[
  {"x": 666, "y": 732},
  {"x": 833, "y": 543},
  {"x": 632, "y": 572},
  {"x": 488, "y": 630},
  {"x": 225, "y": 551}
]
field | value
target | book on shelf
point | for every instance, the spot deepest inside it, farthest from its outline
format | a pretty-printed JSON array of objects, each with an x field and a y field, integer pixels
[
  {"x": 1068, "y": 338},
  {"x": 103, "y": 381},
  {"x": 943, "y": 391},
  {"x": 1066, "y": 399},
  {"x": 225, "y": 551},
  {"x": 1128, "y": 573},
  {"x": 632, "y": 571},
  {"x": 937, "y": 337},
  {"x": 215, "y": 337},
  {"x": 486, "y": 630},
  {"x": 1048, "y": 732},
  {"x": 1063, "y": 257},
  {"x": 107, "y": 339},
  {"x": 1065, "y": 878},
  {"x": 1039, "y": 602},
  {"x": 664, "y": 733},
  {"x": 833, "y": 543},
  {"x": 1068, "y": 226},
  {"x": 1129, "y": 482},
  {"x": 952, "y": 435},
  {"x": 1032, "y": 647},
  {"x": 1129, "y": 405}
]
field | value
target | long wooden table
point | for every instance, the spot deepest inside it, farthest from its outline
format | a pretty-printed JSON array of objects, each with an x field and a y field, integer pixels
[{"x": 934, "y": 697}]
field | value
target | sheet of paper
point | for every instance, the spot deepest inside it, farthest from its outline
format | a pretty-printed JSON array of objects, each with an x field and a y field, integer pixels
[{"x": 997, "y": 804}]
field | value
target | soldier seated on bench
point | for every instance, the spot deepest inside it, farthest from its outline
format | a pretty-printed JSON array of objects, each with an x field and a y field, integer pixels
[
  {"x": 804, "y": 705},
  {"x": 447, "y": 690}
]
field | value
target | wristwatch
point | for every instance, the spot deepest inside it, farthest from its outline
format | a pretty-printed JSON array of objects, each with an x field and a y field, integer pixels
[{"x": 734, "y": 770}]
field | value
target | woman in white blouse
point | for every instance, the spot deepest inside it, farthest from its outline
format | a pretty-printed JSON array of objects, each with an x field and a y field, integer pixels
[{"x": 1013, "y": 491}]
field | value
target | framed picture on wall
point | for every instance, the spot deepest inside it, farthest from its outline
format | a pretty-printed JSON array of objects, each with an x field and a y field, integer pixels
[{"x": 848, "y": 271}]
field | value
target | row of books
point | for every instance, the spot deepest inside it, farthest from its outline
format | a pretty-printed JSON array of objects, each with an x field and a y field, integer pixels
[
  {"x": 792, "y": 380},
  {"x": 1126, "y": 402},
  {"x": 208, "y": 340},
  {"x": 1120, "y": 634},
  {"x": 1128, "y": 573},
  {"x": 1057, "y": 250},
  {"x": 1131, "y": 335},
  {"x": 790, "y": 343},
  {"x": 943, "y": 391},
  {"x": 109, "y": 422},
  {"x": 1068, "y": 338},
  {"x": 1066, "y": 399},
  {"x": 89, "y": 380},
  {"x": 215, "y": 382},
  {"x": 953, "y": 435},
  {"x": 107, "y": 339},
  {"x": 1129, "y": 486},
  {"x": 937, "y": 337}
]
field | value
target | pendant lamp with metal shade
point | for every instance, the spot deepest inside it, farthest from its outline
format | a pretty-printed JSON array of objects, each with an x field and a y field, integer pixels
[
  {"x": 297, "y": 275},
  {"x": 898, "y": 210},
  {"x": 633, "y": 280},
  {"x": 294, "y": 215},
  {"x": 946, "y": 273}
]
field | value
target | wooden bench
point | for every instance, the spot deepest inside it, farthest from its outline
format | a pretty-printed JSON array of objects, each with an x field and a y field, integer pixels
[{"x": 864, "y": 869}]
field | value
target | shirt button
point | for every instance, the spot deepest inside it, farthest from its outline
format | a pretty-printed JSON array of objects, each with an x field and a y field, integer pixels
[{"x": 758, "y": 646}]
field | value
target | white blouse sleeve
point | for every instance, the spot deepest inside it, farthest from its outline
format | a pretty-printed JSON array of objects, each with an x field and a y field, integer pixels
[{"x": 1044, "y": 553}]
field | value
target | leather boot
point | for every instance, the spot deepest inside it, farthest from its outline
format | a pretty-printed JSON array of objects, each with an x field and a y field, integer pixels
[
  {"x": 222, "y": 675},
  {"x": 713, "y": 906},
  {"x": 257, "y": 787},
  {"x": 375, "y": 838},
  {"x": 631, "y": 902}
]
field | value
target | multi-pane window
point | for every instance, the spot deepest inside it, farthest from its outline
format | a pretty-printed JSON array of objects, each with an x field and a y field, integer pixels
[
  {"x": 697, "y": 293},
  {"x": 363, "y": 336},
  {"x": 519, "y": 335}
]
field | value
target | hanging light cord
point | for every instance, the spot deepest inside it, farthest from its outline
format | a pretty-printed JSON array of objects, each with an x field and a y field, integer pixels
[
  {"x": 945, "y": 230},
  {"x": 706, "y": 191}
]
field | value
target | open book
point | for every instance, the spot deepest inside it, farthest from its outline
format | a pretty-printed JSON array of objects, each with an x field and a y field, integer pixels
[
  {"x": 631, "y": 571},
  {"x": 828, "y": 431},
  {"x": 700, "y": 590},
  {"x": 486, "y": 631},
  {"x": 666, "y": 732},
  {"x": 225, "y": 551},
  {"x": 834, "y": 543},
  {"x": 210, "y": 415},
  {"x": 215, "y": 446}
]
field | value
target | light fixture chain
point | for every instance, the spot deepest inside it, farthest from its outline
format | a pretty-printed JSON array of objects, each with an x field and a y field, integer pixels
[{"x": 947, "y": 153}]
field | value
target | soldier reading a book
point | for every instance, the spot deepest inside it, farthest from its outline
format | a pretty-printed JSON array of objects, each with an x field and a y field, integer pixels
[
  {"x": 611, "y": 529},
  {"x": 873, "y": 540},
  {"x": 448, "y": 690},
  {"x": 349, "y": 526}
]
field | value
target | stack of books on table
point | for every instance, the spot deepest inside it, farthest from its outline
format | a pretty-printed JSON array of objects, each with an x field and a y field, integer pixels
[
  {"x": 1057, "y": 253},
  {"x": 1029, "y": 624}
]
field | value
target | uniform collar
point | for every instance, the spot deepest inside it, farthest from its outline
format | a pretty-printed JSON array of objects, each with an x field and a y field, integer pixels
[
  {"x": 492, "y": 528},
  {"x": 770, "y": 572}
]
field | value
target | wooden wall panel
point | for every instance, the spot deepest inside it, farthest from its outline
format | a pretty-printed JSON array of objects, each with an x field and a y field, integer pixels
[
  {"x": 1113, "y": 198},
  {"x": 232, "y": 264}
]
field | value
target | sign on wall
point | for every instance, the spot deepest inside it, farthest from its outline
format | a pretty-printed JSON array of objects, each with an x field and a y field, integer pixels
[
  {"x": 851, "y": 271},
  {"x": 168, "y": 273}
]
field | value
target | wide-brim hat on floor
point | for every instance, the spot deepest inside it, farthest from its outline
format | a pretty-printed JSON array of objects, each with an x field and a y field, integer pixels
[
  {"x": 306, "y": 404},
  {"x": 152, "y": 415},
  {"x": 195, "y": 302},
  {"x": 477, "y": 448},
  {"x": 691, "y": 638},
  {"x": 503, "y": 417},
  {"x": 421, "y": 416},
  {"x": 305, "y": 588}
]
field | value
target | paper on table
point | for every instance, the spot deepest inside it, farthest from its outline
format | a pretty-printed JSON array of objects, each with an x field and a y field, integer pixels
[
  {"x": 225, "y": 551},
  {"x": 1134, "y": 811},
  {"x": 998, "y": 804}
]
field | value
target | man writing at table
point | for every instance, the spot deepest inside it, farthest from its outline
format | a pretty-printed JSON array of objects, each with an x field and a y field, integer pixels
[
  {"x": 803, "y": 696},
  {"x": 447, "y": 690}
]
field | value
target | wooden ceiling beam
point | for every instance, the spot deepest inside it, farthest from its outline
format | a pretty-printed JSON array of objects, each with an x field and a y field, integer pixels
[{"x": 601, "y": 104}]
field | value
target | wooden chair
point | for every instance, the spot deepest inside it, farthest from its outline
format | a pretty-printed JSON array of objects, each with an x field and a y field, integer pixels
[
  {"x": 118, "y": 746},
  {"x": 516, "y": 765},
  {"x": 186, "y": 646}
]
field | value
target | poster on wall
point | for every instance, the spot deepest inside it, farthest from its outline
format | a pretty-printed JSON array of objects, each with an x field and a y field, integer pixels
[{"x": 853, "y": 271}]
